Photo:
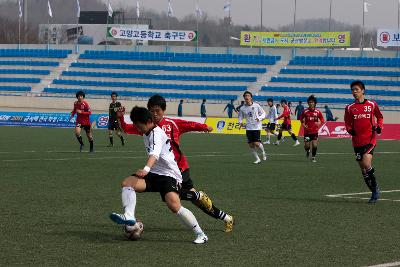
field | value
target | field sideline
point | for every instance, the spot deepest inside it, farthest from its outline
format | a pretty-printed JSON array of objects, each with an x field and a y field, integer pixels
[{"x": 56, "y": 202}]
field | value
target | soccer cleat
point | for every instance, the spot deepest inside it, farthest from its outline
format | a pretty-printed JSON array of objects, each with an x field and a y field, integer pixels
[
  {"x": 375, "y": 196},
  {"x": 205, "y": 201},
  {"x": 276, "y": 143},
  {"x": 296, "y": 143},
  {"x": 258, "y": 161},
  {"x": 313, "y": 159},
  {"x": 121, "y": 219},
  {"x": 229, "y": 225},
  {"x": 81, "y": 148},
  {"x": 264, "y": 156},
  {"x": 200, "y": 239},
  {"x": 307, "y": 153},
  {"x": 267, "y": 142}
]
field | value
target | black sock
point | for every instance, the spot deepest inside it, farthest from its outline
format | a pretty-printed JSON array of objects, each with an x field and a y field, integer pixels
[
  {"x": 293, "y": 137},
  {"x": 79, "y": 138},
  {"x": 367, "y": 181},
  {"x": 111, "y": 140},
  {"x": 372, "y": 179},
  {"x": 189, "y": 195},
  {"x": 91, "y": 144},
  {"x": 314, "y": 151},
  {"x": 215, "y": 212},
  {"x": 307, "y": 149},
  {"x": 122, "y": 140},
  {"x": 279, "y": 136}
]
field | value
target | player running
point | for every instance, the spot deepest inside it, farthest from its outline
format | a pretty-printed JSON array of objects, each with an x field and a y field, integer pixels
[
  {"x": 362, "y": 125},
  {"x": 287, "y": 124},
  {"x": 272, "y": 115},
  {"x": 113, "y": 120},
  {"x": 254, "y": 115},
  {"x": 160, "y": 174},
  {"x": 311, "y": 119},
  {"x": 82, "y": 109},
  {"x": 174, "y": 128}
]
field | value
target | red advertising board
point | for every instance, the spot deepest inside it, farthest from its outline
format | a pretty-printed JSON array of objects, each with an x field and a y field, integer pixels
[{"x": 333, "y": 129}]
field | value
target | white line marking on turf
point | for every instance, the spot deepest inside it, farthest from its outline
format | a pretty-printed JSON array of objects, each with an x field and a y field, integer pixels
[
  {"x": 389, "y": 264},
  {"x": 356, "y": 195}
]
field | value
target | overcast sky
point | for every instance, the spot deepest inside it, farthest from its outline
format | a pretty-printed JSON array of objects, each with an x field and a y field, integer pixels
[{"x": 382, "y": 13}]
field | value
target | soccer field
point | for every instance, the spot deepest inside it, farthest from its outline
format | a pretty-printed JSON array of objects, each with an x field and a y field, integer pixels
[{"x": 55, "y": 204}]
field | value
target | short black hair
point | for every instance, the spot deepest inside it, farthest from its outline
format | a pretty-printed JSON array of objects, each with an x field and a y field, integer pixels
[
  {"x": 140, "y": 115},
  {"x": 80, "y": 93},
  {"x": 114, "y": 93},
  {"x": 157, "y": 100},
  {"x": 247, "y": 92},
  {"x": 357, "y": 83},
  {"x": 284, "y": 101},
  {"x": 312, "y": 98},
  {"x": 270, "y": 100},
  {"x": 300, "y": 102},
  {"x": 204, "y": 100}
]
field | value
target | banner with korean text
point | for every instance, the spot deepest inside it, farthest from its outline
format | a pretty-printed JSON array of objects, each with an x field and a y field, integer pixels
[
  {"x": 133, "y": 33},
  {"x": 295, "y": 39},
  {"x": 388, "y": 37}
]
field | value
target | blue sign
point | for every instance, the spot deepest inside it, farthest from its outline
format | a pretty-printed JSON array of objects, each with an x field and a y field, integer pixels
[{"x": 50, "y": 120}]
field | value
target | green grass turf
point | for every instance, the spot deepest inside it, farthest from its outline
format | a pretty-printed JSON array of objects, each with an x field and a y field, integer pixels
[{"x": 55, "y": 204}]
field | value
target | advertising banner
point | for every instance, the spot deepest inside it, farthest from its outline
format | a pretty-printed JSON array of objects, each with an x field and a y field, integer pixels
[
  {"x": 295, "y": 39},
  {"x": 333, "y": 129},
  {"x": 388, "y": 37},
  {"x": 51, "y": 120},
  {"x": 231, "y": 126},
  {"x": 133, "y": 33}
]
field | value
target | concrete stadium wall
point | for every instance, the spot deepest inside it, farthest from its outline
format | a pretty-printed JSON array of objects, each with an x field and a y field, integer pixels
[{"x": 53, "y": 104}]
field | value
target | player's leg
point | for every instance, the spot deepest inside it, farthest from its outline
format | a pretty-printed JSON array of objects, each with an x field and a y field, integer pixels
[
  {"x": 279, "y": 136},
  {"x": 185, "y": 216},
  {"x": 89, "y": 134},
  {"x": 260, "y": 147},
  {"x": 111, "y": 137},
  {"x": 268, "y": 140},
  {"x": 79, "y": 136},
  {"x": 307, "y": 145},
  {"x": 294, "y": 137},
  {"x": 121, "y": 137},
  {"x": 130, "y": 185},
  {"x": 368, "y": 172},
  {"x": 250, "y": 140},
  {"x": 314, "y": 148}
]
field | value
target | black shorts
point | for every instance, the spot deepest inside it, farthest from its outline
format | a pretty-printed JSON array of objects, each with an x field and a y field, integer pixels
[
  {"x": 310, "y": 137},
  {"x": 271, "y": 126},
  {"x": 162, "y": 184},
  {"x": 286, "y": 127},
  {"x": 113, "y": 125},
  {"x": 253, "y": 136},
  {"x": 87, "y": 128},
  {"x": 187, "y": 182},
  {"x": 362, "y": 150}
]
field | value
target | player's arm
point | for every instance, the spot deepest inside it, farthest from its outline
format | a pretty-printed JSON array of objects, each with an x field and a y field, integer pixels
[
  {"x": 225, "y": 107},
  {"x": 348, "y": 120},
  {"x": 261, "y": 113},
  {"x": 87, "y": 112},
  {"x": 321, "y": 119},
  {"x": 240, "y": 117},
  {"x": 284, "y": 114},
  {"x": 127, "y": 128},
  {"x": 303, "y": 121},
  {"x": 73, "y": 112},
  {"x": 191, "y": 126},
  {"x": 379, "y": 119},
  {"x": 154, "y": 154}
]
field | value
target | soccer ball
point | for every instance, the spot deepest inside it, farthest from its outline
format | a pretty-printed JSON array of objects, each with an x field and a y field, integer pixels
[{"x": 134, "y": 232}]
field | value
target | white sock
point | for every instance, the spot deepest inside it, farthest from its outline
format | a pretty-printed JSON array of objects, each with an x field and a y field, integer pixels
[
  {"x": 268, "y": 136},
  {"x": 129, "y": 202},
  {"x": 261, "y": 148},
  {"x": 188, "y": 219},
  {"x": 254, "y": 152},
  {"x": 227, "y": 218},
  {"x": 276, "y": 134}
]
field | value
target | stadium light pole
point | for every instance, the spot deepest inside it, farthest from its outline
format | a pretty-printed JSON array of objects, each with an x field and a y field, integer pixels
[
  {"x": 363, "y": 28},
  {"x": 398, "y": 24},
  {"x": 261, "y": 11},
  {"x": 294, "y": 26},
  {"x": 25, "y": 21},
  {"x": 330, "y": 25}
]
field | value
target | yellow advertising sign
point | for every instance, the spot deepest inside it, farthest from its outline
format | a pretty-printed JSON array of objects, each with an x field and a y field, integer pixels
[
  {"x": 231, "y": 126},
  {"x": 295, "y": 39}
]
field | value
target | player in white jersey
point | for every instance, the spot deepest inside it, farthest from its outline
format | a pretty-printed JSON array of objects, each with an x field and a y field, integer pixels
[
  {"x": 272, "y": 115},
  {"x": 254, "y": 115},
  {"x": 160, "y": 174}
]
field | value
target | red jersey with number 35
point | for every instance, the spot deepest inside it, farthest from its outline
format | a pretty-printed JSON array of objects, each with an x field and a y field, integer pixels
[
  {"x": 362, "y": 118},
  {"x": 83, "y": 118},
  {"x": 285, "y": 115},
  {"x": 174, "y": 128},
  {"x": 312, "y": 119}
]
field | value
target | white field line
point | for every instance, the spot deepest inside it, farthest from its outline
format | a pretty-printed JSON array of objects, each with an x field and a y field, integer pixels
[
  {"x": 389, "y": 264},
  {"x": 356, "y": 195}
]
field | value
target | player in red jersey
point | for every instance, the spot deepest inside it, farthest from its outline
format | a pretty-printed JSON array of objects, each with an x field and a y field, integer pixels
[
  {"x": 287, "y": 124},
  {"x": 364, "y": 121},
  {"x": 82, "y": 109},
  {"x": 174, "y": 128},
  {"x": 311, "y": 119}
]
